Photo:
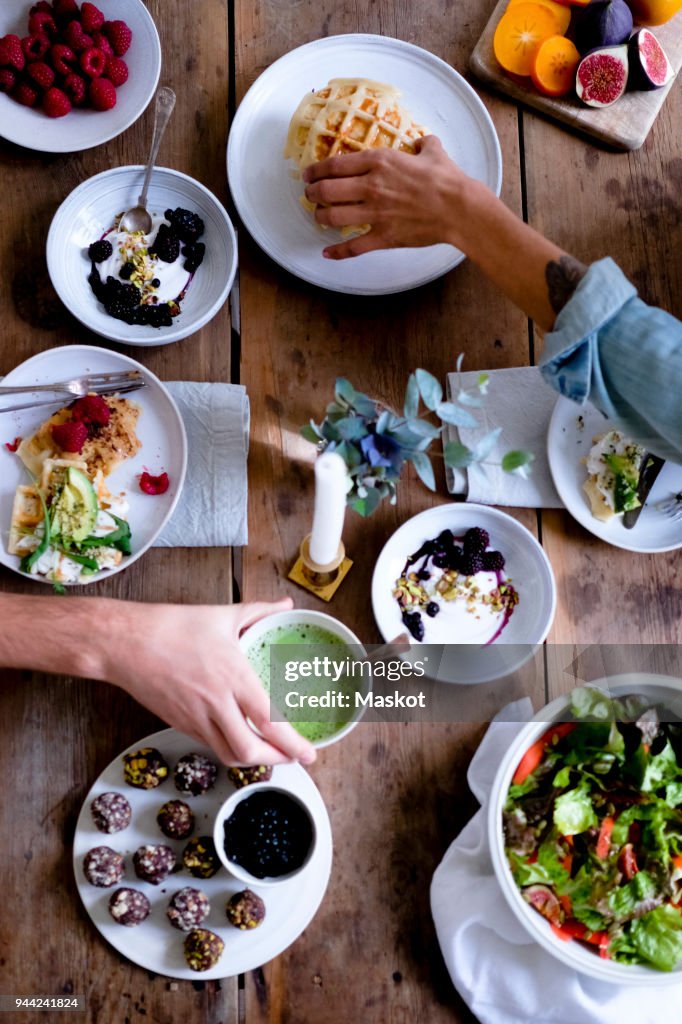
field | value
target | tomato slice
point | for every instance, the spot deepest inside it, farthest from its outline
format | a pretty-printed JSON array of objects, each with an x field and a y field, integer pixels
[
  {"x": 627, "y": 861},
  {"x": 532, "y": 759}
]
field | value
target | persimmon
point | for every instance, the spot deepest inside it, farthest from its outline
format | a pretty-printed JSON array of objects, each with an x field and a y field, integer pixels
[
  {"x": 560, "y": 11},
  {"x": 654, "y": 12},
  {"x": 554, "y": 66},
  {"x": 518, "y": 36}
]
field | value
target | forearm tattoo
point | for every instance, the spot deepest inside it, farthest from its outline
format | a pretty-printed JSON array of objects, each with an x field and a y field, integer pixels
[{"x": 562, "y": 280}]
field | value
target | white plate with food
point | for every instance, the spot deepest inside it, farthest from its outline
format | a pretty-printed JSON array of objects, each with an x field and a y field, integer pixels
[
  {"x": 267, "y": 193},
  {"x": 110, "y": 474},
  {"x": 155, "y": 943},
  {"x": 571, "y": 436},
  {"x": 84, "y": 128},
  {"x": 470, "y": 583}
]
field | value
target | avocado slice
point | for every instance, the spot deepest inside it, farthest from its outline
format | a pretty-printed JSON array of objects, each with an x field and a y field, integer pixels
[
  {"x": 74, "y": 513},
  {"x": 625, "y": 487}
]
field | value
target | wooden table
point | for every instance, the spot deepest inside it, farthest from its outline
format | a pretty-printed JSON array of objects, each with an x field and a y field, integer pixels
[{"x": 397, "y": 794}]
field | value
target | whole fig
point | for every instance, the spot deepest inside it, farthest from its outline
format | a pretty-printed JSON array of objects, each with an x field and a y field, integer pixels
[{"x": 603, "y": 23}]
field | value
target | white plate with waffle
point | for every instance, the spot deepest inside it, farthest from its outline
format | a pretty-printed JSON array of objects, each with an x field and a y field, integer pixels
[{"x": 267, "y": 192}]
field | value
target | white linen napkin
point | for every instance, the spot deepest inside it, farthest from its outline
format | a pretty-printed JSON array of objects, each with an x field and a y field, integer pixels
[
  {"x": 212, "y": 511},
  {"x": 500, "y": 972},
  {"x": 519, "y": 401}
]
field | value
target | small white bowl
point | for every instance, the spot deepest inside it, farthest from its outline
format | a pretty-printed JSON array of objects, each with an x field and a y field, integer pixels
[
  {"x": 228, "y": 809},
  {"x": 302, "y": 617},
  {"x": 526, "y": 564},
  {"x": 89, "y": 211},
  {"x": 83, "y": 129},
  {"x": 573, "y": 954}
]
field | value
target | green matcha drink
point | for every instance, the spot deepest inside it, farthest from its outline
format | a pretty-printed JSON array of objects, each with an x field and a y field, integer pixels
[{"x": 295, "y": 646}]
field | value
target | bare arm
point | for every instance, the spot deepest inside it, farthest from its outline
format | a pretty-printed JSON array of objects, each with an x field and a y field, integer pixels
[
  {"x": 425, "y": 199},
  {"x": 183, "y": 662}
]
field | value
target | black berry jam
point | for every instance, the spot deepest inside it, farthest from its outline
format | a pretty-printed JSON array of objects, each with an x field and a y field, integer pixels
[{"x": 269, "y": 834}]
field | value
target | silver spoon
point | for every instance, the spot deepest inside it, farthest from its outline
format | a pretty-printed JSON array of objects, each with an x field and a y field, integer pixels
[{"x": 138, "y": 218}]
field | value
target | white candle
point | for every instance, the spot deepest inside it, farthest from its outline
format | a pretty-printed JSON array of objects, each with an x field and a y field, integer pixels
[{"x": 330, "y": 507}]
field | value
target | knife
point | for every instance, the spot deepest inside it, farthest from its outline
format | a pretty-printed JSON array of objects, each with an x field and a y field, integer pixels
[{"x": 652, "y": 466}]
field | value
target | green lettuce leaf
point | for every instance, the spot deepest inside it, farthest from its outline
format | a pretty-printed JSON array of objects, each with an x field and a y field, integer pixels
[
  {"x": 623, "y": 900},
  {"x": 573, "y": 812},
  {"x": 657, "y": 937}
]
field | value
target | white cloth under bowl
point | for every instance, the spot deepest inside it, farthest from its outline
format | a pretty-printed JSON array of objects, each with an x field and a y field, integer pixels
[
  {"x": 212, "y": 511},
  {"x": 500, "y": 972},
  {"x": 519, "y": 401}
]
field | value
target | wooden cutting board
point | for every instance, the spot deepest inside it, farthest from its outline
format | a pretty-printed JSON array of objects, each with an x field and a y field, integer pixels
[{"x": 625, "y": 125}]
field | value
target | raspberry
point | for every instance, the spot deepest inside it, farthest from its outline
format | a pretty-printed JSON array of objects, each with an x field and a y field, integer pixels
[
  {"x": 187, "y": 226},
  {"x": 93, "y": 62},
  {"x": 14, "y": 445},
  {"x": 41, "y": 22},
  {"x": 75, "y": 89},
  {"x": 35, "y": 47},
  {"x": 42, "y": 5},
  {"x": 166, "y": 245},
  {"x": 100, "y": 250},
  {"x": 70, "y": 436},
  {"x": 102, "y": 43},
  {"x": 42, "y": 74},
  {"x": 7, "y": 80},
  {"x": 476, "y": 540},
  {"x": 119, "y": 35},
  {"x": 56, "y": 103},
  {"x": 63, "y": 58},
  {"x": 194, "y": 256},
  {"x": 25, "y": 94},
  {"x": 102, "y": 94},
  {"x": 493, "y": 561},
  {"x": 11, "y": 53},
  {"x": 75, "y": 37},
  {"x": 154, "y": 484},
  {"x": 91, "y": 410},
  {"x": 64, "y": 7},
  {"x": 92, "y": 18},
  {"x": 116, "y": 71}
]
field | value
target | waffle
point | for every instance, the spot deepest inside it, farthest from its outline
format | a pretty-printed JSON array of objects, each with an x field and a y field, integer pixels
[{"x": 348, "y": 116}]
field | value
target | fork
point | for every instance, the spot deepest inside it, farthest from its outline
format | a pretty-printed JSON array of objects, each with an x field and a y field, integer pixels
[
  {"x": 98, "y": 389},
  {"x": 79, "y": 386},
  {"x": 671, "y": 506}
]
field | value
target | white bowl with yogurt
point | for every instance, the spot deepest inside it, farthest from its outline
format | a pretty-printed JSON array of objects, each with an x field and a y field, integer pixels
[
  {"x": 90, "y": 211},
  {"x": 475, "y": 639}
]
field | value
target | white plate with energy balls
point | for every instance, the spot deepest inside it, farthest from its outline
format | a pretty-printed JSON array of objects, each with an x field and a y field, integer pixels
[
  {"x": 153, "y": 941},
  {"x": 267, "y": 189}
]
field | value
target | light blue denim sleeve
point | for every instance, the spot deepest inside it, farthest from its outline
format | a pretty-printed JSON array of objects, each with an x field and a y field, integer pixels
[{"x": 611, "y": 349}]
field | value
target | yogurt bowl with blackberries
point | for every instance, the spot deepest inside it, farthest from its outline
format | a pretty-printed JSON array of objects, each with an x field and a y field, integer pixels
[
  {"x": 469, "y": 580},
  {"x": 136, "y": 288}
]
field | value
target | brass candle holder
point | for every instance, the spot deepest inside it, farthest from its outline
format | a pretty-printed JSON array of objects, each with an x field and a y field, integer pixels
[{"x": 321, "y": 580}]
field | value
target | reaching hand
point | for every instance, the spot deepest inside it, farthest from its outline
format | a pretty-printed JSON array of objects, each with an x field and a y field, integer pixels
[{"x": 408, "y": 200}]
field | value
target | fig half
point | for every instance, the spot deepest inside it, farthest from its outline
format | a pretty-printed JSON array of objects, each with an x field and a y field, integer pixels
[
  {"x": 602, "y": 76},
  {"x": 649, "y": 64}
]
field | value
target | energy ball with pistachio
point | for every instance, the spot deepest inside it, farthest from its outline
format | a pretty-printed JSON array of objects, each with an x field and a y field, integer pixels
[
  {"x": 203, "y": 949},
  {"x": 245, "y": 910},
  {"x": 195, "y": 774},
  {"x": 175, "y": 819},
  {"x": 129, "y": 907},
  {"x": 188, "y": 908},
  {"x": 153, "y": 863},
  {"x": 103, "y": 867},
  {"x": 245, "y": 776},
  {"x": 200, "y": 857},
  {"x": 145, "y": 768},
  {"x": 111, "y": 812}
]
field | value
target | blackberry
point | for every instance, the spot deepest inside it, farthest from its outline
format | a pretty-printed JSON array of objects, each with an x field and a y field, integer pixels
[
  {"x": 493, "y": 561},
  {"x": 414, "y": 624},
  {"x": 159, "y": 316},
  {"x": 188, "y": 226},
  {"x": 471, "y": 564},
  {"x": 445, "y": 538},
  {"x": 194, "y": 256},
  {"x": 126, "y": 295},
  {"x": 432, "y": 609},
  {"x": 166, "y": 245},
  {"x": 441, "y": 561},
  {"x": 476, "y": 540},
  {"x": 423, "y": 574},
  {"x": 120, "y": 312},
  {"x": 97, "y": 285},
  {"x": 127, "y": 271},
  {"x": 100, "y": 251}
]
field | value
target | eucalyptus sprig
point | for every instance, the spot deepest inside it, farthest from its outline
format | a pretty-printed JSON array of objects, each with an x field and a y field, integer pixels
[{"x": 375, "y": 442}]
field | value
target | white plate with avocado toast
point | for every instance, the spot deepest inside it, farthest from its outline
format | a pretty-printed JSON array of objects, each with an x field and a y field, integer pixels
[
  {"x": 85, "y": 505},
  {"x": 571, "y": 435}
]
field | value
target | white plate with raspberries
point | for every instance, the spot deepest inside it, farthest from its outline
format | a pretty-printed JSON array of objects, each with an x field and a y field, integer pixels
[
  {"x": 159, "y": 429},
  {"x": 74, "y": 75}
]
